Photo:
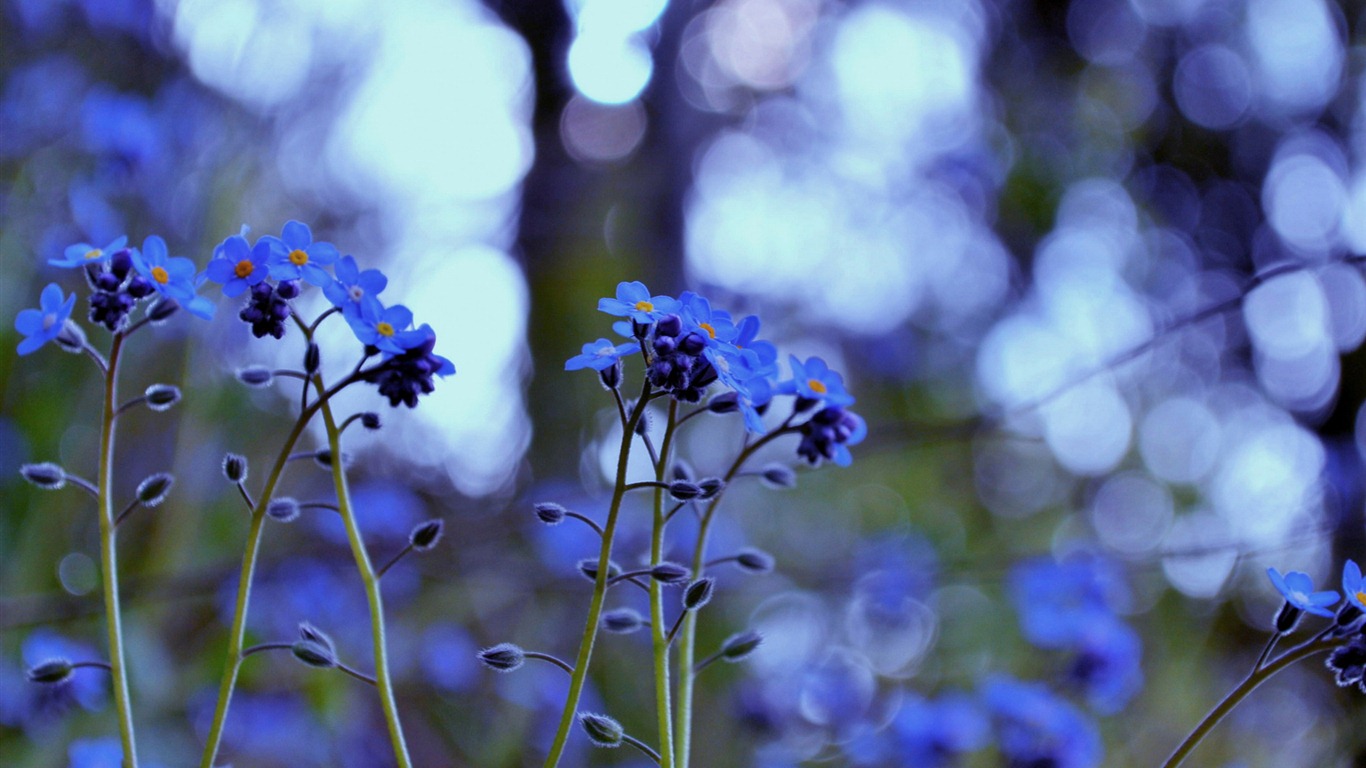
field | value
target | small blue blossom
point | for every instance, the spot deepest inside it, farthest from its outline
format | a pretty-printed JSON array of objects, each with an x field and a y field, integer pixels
[
  {"x": 1036, "y": 727},
  {"x": 97, "y": 753},
  {"x": 1298, "y": 590},
  {"x": 171, "y": 276},
  {"x": 600, "y": 355},
  {"x": 43, "y": 325},
  {"x": 634, "y": 301},
  {"x": 294, "y": 255},
  {"x": 746, "y": 337},
  {"x": 1058, "y": 602},
  {"x": 698, "y": 314},
  {"x": 935, "y": 734},
  {"x": 237, "y": 265},
  {"x": 352, "y": 287},
  {"x": 83, "y": 254},
  {"x": 813, "y": 380},
  {"x": 1353, "y": 585},
  {"x": 1108, "y": 665},
  {"x": 388, "y": 329}
]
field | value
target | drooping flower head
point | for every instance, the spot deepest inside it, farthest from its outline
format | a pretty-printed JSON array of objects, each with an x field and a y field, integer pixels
[
  {"x": 633, "y": 300},
  {"x": 294, "y": 255},
  {"x": 84, "y": 254},
  {"x": 42, "y": 325}
]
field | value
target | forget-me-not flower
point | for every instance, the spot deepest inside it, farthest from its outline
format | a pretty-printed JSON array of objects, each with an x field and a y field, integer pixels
[{"x": 44, "y": 324}]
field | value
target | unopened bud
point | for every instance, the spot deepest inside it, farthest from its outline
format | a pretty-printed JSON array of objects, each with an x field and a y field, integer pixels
[
  {"x": 754, "y": 560},
  {"x": 162, "y": 396},
  {"x": 370, "y": 420},
  {"x": 72, "y": 337},
  {"x": 779, "y": 476},
  {"x": 503, "y": 657},
  {"x": 426, "y": 535},
  {"x": 589, "y": 568},
  {"x": 283, "y": 509},
  {"x": 738, "y": 647},
  {"x": 684, "y": 490},
  {"x": 602, "y": 730},
  {"x": 622, "y": 621},
  {"x": 314, "y": 635},
  {"x": 710, "y": 487},
  {"x": 46, "y": 475},
  {"x": 235, "y": 467},
  {"x": 550, "y": 513},
  {"x": 611, "y": 375},
  {"x": 314, "y": 654},
  {"x": 728, "y": 402},
  {"x": 153, "y": 490},
  {"x": 50, "y": 671},
  {"x": 669, "y": 573},
  {"x": 312, "y": 358},
  {"x": 324, "y": 458},
  {"x": 698, "y": 593},
  {"x": 256, "y": 376},
  {"x": 162, "y": 310}
]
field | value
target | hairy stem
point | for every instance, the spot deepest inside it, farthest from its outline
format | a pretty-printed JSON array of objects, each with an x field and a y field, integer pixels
[{"x": 659, "y": 634}]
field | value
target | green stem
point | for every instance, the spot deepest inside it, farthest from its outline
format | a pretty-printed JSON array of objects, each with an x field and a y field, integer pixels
[
  {"x": 383, "y": 682},
  {"x": 590, "y": 629},
  {"x": 109, "y": 559},
  {"x": 1249, "y": 684},
  {"x": 687, "y": 642},
  {"x": 659, "y": 634},
  {"x": 237, "y": 633}
]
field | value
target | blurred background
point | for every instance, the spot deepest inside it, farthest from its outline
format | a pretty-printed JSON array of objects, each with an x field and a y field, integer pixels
[{"x": 1087, "y": 267}]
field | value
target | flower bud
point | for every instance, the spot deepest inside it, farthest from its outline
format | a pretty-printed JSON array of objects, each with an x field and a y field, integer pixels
[
  {"x": 370, "y": 420},
  {"x": 589, "y": 568},
  {"x": 152, "y": 491},
  {"x": 669, "y": 573},
  {"x": 161, "y": 397},
  {"x": 683, "y": 470},
  {"x": 46, "y": 475},
  {"x": 283, "y": 509},
  {"x": 550, "y": 513},
  {"x": 710, "y": 487},
  {"x": 323, "y": 458},
  {"x": 611, "y": 375},
  {"x": 698, "y": 593},
  {"x": 314, "y": 654},
  {"x": 162, "y": 310},
  {"x": 503, "y": 657},
  {"x": 602, "y": 730},
  {"x": 669, "y": 325},
  {"x": 753, "y": 560},
  {"x": 622, "y": 621},
  {"x": 728, "y": 402},
  {"x": 235, "y": 467},
  {"x": 314, "y": 635},
  {"x": 779, "y": 476},
  {"x": 312, "y": 358},
  {"x": 288, "y": 289},
  {"x": 50, "y": 671},
  {"x": 256, "y": 376},
  {"x": 738, "y": 647},
  {"x": 72, "y": 337},
  {"x": 684, "y": 490},
  {"x": 426, "y": 535},
  {"x": 1287, "y": 618}
]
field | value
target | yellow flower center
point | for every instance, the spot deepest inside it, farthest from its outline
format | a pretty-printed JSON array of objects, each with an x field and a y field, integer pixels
[
  {"x": 244, "y": 268},
  {"x": 817, "y": 386},
  {"x": 708, "y": 328},
  {"x": 160, "y": 275},
  {"x": 1361, "y": 596},
  {"x": 645, "y": 306},
  {"x": 385, "y": 329},
  {"x": 94, "y": 253},
  {"x": 298, "y": 258}
]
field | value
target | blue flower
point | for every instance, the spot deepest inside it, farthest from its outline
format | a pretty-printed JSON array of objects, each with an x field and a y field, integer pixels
[
  {"x": 813, "y": 380},
  {"x": 388, "y": 329},
  {"x": 746, "y": 337},
  {"x": 294, "y": 255},
  {"x": 352, "y": 287},
  {"x": 1298, "y": 590},
  {"x": 634, "y": 301},
  {"x": 1108, "y": 665},
  {"x": 600, "y": 355},
  {"x": 43, "y": 325},
  {"x": 1353, "y": 585},
  {"x": 1036, "y": 727},
  {"x": 81, "y": 254},
  {"x": 171, "y": 276},
  {"x": 934, "y": 734},
  {"x": 408, "y": 375},
  {"x": 1058, "y": 602},
  {"x": 237, "y": 265},
  {"x": 698, "y": 314}
]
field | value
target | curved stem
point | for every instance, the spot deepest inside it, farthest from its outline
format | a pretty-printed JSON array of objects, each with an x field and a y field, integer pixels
[
  {"x": 660, "y": 636},
  {"x": 109, "y": 559},
  {"x": 237, "y": 633},
  {"x": 383, "y": 681},
  {"x": 1249, "y": 684},
  {"x": 590, "y": 629},
  {"x": 687, "y": 641}
]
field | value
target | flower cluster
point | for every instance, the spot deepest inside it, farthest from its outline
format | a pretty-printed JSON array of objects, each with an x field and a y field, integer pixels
[
  {"x": 688, "y": 346},
  {"x": 271, "y": 272}
]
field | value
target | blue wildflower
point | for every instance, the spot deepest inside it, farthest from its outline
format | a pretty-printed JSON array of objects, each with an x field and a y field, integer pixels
[
  {"x": 238, "y": 265},
  {"x": 634, "y": 301},
  {"x": 85, "y": 254},
  {"x": 1108, "y": 665},
  {"x": 352, "y": 287},
  {"x": 1298, "y": 590},
  {"x": 294, "y": 255},
  {"x": 171, "y": 276},
  {"x": 935, "y": 734},
  {"x": 814, "y": 381},
  {"x": 408, "y": 375},
  {"x": 1058, "y": 602},
  {"x": 1353, "y": 585},
  {"x": 43, "y": 325},
  {"x": 1039, "y": 728},
  {"x": 600, "y": 355},
  {"x": 746, "y": 337},
  {"x": 387, "y": 329},
  {"x": 698, "y": 313}
]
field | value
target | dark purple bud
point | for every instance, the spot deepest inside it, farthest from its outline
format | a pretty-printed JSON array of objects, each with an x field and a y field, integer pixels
[
  {"x": 161, "y": 397},
  {"x": 287, "y": 289},
  {"x": 754, "y": 560},
  {"x": 50, "y": 671},
  {"x": 283, "y": 509},
  {"x": 738, "y": 647},
  {"x": 162, "y": 310},
  {"x": 669, "y": 325},
  {"x": 152, "y": 491},
  {"x": 692, "y": 344},
  {"x": 602, "y": 730},
  {"x": 728, "y": 402},
  {"x": 684, "y": 490},
  {"x": 669, "y": 573},
  {"x": 48, "y": 476},
  {"x": 370, "y": 420},
  {"x": 622, "y": 621},
  {"x": 589, "y": 568},
  {"x": 120, "y": 263},
  {"x": 683, "y": 470},
  {"x": 426, "y": 535},
  {"x": 698, "y": 593},
  {"x": 611, "y": 375},
  {"x": 665, "y": 345},
  {"x": 107, "y": 282},
  {"x": 550, "y": 513},
  {"x": 314, "y": 654},
  {"x": 312, "y": 358},
  {"x": 710, "y": 487},
  {"x": 779, "y": 476},
  {"x": 503, "y": 657},
  {"x": 235, "y": 467},
  {"x": 140, "y": 287}
]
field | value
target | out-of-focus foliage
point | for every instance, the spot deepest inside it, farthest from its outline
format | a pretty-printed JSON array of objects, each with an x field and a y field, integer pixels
[{"x": 1091, "y": 267}]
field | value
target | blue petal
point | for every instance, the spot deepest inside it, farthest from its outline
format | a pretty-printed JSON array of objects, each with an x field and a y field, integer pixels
[{"x": 296, "y": 234}]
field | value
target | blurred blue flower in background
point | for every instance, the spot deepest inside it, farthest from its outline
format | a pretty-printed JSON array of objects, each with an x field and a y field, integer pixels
[{"x": 1035, "y": 727}]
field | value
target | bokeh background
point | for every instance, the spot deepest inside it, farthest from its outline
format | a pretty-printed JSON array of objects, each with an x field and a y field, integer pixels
[{"x": 1087, "y": 267}]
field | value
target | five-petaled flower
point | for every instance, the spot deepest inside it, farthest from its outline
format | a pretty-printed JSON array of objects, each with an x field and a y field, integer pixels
[
  {"x": 172, "y": 276},
  {"x": 1353, "y": 585},
  {"x": 1298, "y": 590},
  {"x": 43, "y": 325},
  {"x": 352, "y": 287},
  {"x": 237, "y": 265},
  {"x": 634, "y": 301},
  {"x": 294, "y": 255},
  {"x": 814, "y": 380},
  {"x": 83, "y": 254},
  {"x": 600, "y": 355},
  {"x": 388, "y": 329}
]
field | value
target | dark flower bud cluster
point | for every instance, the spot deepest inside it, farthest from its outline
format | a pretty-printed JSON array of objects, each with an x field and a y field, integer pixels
[
  {"x": 266, "y": 311},
  {"x": 113, "y": 293},
  {"x": 406, "y": 376},
  {"x": 827, "y": 431}
]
